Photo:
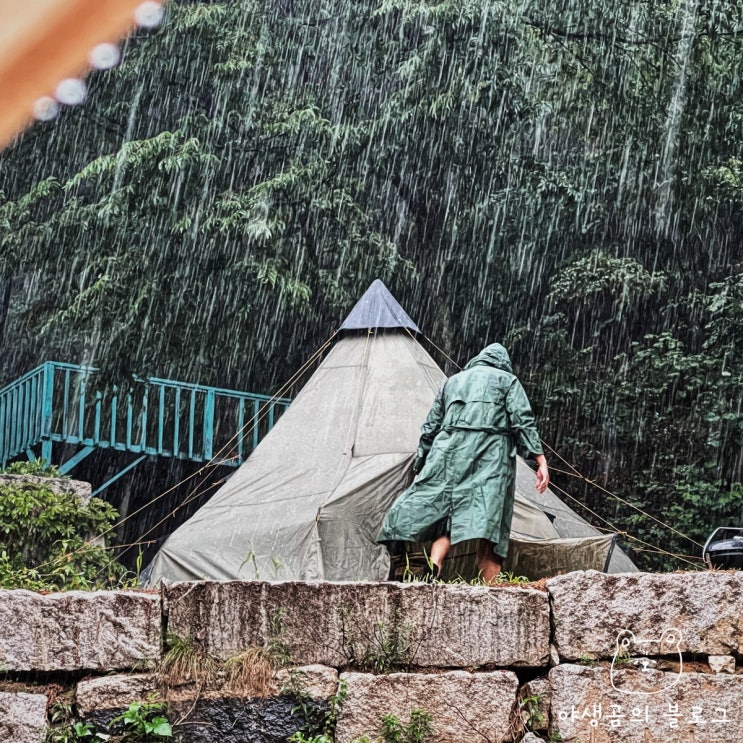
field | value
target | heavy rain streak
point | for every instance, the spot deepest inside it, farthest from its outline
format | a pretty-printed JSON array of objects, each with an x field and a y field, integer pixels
[{"x": 565, "y": 178}]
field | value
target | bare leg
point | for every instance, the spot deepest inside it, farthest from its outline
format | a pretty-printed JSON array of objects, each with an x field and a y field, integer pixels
[
  {"x": 439, "y": 549},
  {"x": 488, "y": 563}
]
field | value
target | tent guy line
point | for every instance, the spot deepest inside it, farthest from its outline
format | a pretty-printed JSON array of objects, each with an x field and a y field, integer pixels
[
  {"x": 329, "y": 533},
  {"x": 206, "y": 467},
  {"x": 203, "y": 487},
  {"x": 578, "y": 475},
  {"x": 214, "y": 461},
  {"x": 380, "y": 303},
  {"x": 627, "y": 535}
]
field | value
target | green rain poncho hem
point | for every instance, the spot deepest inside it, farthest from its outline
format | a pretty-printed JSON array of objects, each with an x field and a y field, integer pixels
[{"x": 468, "y": 442}]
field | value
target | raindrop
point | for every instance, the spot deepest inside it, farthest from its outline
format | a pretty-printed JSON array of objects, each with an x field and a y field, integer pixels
[
  {"x": 71, "y": 91},
  {"x": 104, "y": 56},
  {"x": 45, "y": 108},
  {"x": 149, "y": 14}
]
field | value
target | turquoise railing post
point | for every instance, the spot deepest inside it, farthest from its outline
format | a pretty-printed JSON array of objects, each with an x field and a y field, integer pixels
[
  {"x": 114, "y": 404},
  {"x": 143, "y": 420},
  {"x": 241, "y": 430},
  {"x": 47, "y": 409},
  {"x": 177, "y": 424},
  {"x": 256, "y": 421},
  {"x": 129, "y": 418},
  {"x": 12, "y": 418},
  {"x": 160, "y": 418},
  {"x": 97, "y": 423},
  {"x": 38, "y": 385},
  {"x": 81, "y": 408},
  {"x": 65, "y": 403},
  {"x": 208, "y": 424},
  {"x": 191, "y": 419}
]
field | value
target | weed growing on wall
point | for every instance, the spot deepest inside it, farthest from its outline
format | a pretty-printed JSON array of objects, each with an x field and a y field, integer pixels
[
  {"x": 141, "y": 722},
  {"x": 392, "y": 730},
  {"x": 389, "y": 647},
  {"x": 416, "y": 731},
  {"x": 73, "y": 732},
  {"x": 184, "y": 662},
  {"x": 251, "y": 673},
  {"x": 277, "y": 646},
  {"x": 531, "y": 711},
  {"x": 319, "y": 726}
]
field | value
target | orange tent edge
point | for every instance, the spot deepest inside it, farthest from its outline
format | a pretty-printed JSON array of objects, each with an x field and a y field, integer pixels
[{"x": 53, "y": 46}]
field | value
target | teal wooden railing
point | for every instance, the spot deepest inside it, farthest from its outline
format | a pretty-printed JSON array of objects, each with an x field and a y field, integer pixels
[{"x": 63, "y": 403}]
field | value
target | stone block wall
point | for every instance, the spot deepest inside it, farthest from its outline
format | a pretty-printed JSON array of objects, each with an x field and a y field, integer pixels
[{"x": 584, "y": 657}]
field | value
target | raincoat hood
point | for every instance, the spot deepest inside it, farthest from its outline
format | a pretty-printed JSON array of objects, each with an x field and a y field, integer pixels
[{"x": 493, "y": 355}]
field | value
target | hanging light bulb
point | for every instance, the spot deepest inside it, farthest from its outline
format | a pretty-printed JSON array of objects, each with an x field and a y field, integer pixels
[
  {"x": 149, "y": 14},
  {"x": 45, "y": 108},
  {"x": 71, "y": 91},
  {"x": 104, "y": 56}
]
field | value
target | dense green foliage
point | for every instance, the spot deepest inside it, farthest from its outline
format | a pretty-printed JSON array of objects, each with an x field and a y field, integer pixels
[
  {"x": 44, "y": 540},
  {"x": 564, "y": 177}
]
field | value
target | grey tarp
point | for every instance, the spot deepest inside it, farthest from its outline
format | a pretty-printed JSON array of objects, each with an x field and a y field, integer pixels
[
  {"x": 378, "y": 309},
  {"x": 309, "y": 501}
]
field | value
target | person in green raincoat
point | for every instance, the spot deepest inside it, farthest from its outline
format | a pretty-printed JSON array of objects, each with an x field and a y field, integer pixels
[{"x": 466, "y": 462}]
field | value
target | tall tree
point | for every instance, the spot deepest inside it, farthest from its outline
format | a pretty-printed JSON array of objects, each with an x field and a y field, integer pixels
[{"x": 567, "y": 176}]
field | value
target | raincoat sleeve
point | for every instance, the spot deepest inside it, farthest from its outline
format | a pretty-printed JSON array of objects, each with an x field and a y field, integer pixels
[
  {"x": 429, "y": 430},
  {"x": 521, "y": 419}
]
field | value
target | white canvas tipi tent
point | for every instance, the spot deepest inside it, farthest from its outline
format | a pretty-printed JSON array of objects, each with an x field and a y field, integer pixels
[{"x": 309, "y": 501}]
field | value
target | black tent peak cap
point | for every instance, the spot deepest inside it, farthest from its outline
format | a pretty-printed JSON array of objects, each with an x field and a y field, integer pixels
[{"x": 378, "y": 309}]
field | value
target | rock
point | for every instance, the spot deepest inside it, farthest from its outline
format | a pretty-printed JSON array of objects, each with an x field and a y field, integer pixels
[
  {"x": 370, "y": 625},
  {"x": 586, "y": 705},
  {"x": 315, "y": 681},
  {"x": 83, "y": 490},
  {"x": 79, "y": 631},
  {"x": 458, "y": 626},
  {"x": 224, "y": 618},
  {"x": 531, "y": 738},
  {"x": 534, "y": 699},
  {"x": 323, "y": 622},
  {"x": 205, "y": 715},
  {"x": 22, "y": 717},
  {"x": 721, "y": 663},
  {"x": 463, "y": 706},
  {"x": 591, "y": 609},
  {"x": 113, "y": 692}
]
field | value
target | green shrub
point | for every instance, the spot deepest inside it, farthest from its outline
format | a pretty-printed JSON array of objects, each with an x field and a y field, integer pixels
[
  {"x": 144, "y": 722},
  {"x": 37, "y": 468},
  {"x": 141, "y": 722},
  {"x": 44, "y": 540},
  {"x": 416, "y": 731}
]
